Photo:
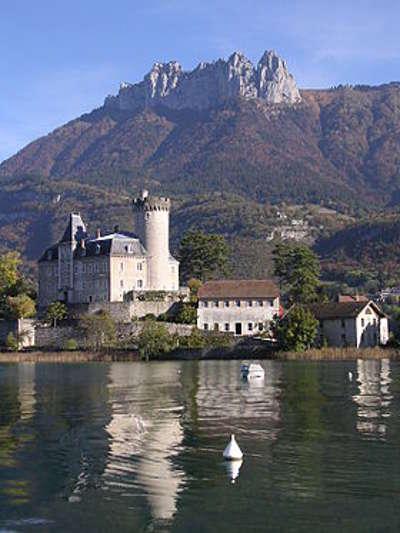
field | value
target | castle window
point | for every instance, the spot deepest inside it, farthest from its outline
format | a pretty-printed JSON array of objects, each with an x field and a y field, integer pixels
[
  {"x": 139, "y": 266},
  {"x": 250, "y": 303},
  {"x": 216, "y": 303},
  {"x": 121, "y": 283},
  {"x": 205, "y": 304},
  {"x": 227, "y": 326},
  {"x": 260, "y": 303},
  {"x": 140, "y": 283},
  {"x": 206, "y": 327},
  {"x": 226, "y": 303},
  {"x": 237, "y": 303},
  {"x": 250, "y": 326}
]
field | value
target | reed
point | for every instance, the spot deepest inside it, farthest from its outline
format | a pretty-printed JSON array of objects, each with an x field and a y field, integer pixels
[
  {"x": 66, "y": 357},
  {"x": 340, "y": 354}
]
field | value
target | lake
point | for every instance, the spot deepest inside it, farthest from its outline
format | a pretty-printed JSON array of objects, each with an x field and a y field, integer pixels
[{"x": 138, "y": 447}]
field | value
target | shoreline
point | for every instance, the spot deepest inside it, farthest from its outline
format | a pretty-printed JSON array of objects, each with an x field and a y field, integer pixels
[{"x": 325, "y": 354}]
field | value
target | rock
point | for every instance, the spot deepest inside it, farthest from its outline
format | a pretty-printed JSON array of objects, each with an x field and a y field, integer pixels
[
  {"x": 209, "y": 84},
  {"x": 274, "y": 82}
]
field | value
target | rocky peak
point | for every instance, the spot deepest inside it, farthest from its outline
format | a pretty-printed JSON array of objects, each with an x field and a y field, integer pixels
[
  {"x": 210, "y": 84},
  {"x": 275, "y": 83},
  {"x": 162, "y": 79}
]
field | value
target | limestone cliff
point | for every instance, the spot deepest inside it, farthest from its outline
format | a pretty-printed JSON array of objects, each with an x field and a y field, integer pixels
[{"x": 210, "y": 84}]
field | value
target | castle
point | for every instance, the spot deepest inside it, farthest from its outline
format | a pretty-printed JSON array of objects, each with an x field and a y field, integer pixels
[{"x": 80, "y": 269}]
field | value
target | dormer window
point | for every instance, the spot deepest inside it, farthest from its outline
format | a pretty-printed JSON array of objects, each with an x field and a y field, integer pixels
[
  {"x": 49, "y": 255},
  {"x": 98, "y": 248}
]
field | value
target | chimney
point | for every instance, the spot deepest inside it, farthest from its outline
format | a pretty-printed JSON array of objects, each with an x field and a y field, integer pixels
[
  {"x": 116, "y": 228},
  {"x": 98, "y": 233}
]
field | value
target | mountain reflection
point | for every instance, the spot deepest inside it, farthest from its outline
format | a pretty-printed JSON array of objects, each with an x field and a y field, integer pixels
[{"x": 373, "y": 398}]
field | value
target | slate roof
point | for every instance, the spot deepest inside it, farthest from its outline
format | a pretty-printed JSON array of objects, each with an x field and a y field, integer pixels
[
  {"x": 334, "y": 310},
  {"x": 112, "y": 244},
  {"x": 242, "y": 288}
]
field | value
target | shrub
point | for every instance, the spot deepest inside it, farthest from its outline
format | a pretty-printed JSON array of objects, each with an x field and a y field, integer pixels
[
  {"x": 12, "y": 342},
  {"x": 154, "y": 339},
  {"x": 70, "y": 345},
  {"x": 99, "y": 330}
]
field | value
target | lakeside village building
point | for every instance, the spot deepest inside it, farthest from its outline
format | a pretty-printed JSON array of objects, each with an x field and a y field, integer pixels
[
  {"x": 112, "y": 268},
  {"x": 242, "y": 307}
]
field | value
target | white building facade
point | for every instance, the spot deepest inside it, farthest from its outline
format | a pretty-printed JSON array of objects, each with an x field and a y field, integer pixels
[
  {"x": 241, "y": 307},
  {"x": 108, "y": 268},
  {"x": 357, "y": 324}
]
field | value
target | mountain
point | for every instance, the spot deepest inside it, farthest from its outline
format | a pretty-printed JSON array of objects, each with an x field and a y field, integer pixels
[
  {"x": 209, "y": 84},
  {"x": 226, "y": 127}
]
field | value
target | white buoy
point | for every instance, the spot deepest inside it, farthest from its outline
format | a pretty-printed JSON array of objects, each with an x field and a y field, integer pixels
[
  {"x": 350, "y": 376},
  {"x": 232, "y": 452}
]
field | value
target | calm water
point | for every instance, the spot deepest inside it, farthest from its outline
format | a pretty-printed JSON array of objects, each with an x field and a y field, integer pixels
[{"x": 137, "y": 447}]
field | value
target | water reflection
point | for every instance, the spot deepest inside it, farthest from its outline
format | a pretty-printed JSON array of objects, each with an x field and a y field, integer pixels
[
  {"x": 373, "y": 397},
  {"x": 145, "y": 434},
  {"x": 233, "y": 469},
  {"x": 26, "y": 390},
  {"x": 228, "y": 404}
]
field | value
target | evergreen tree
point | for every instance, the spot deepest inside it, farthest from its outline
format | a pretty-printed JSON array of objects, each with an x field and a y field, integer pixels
[
  {"x": 298, "y": 270},
  {"x": 297, "y": 330},
  {"x": 203, "y": 256}
]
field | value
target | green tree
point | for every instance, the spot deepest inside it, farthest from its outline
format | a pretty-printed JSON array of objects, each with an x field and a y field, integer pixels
[
  {"x": 12, "y": 342},
  {"x": 99, "y": 330},
  {"x": 203, "y": 256},
  {"x": 298, "y": 270},
  {"x": 297, "y": 330},
  {"x": 187, "y": 313},
  {"x": 55, "y": 312},
  {"x": 9, "y": 273},
  {"x": 12, "y": 285},
  {"x": 21, "y": 306},
  {"x": 194, "y": 285},
  {"x": 154, "y": 339}
]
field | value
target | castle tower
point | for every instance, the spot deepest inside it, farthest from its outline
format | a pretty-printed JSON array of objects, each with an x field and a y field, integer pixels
[
  {"x": 74, "y": 233},
  {"x": 151, "y": 224}
]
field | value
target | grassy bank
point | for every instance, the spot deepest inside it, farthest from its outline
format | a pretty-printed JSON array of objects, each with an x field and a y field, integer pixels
[{"x": 340, "y": 354}]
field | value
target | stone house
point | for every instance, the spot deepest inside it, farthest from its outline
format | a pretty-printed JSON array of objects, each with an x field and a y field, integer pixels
[
  {"x": 351, "y": 323},
  {"x": 80, "y": 269},
  {"x": 242, "y": 307}
]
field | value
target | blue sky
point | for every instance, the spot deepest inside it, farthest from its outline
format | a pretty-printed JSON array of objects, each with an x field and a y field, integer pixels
[{"x": 61, "y": 58}]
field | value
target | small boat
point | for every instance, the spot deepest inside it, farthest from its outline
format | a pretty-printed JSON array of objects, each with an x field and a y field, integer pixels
[{"x": 252, "y": 370}]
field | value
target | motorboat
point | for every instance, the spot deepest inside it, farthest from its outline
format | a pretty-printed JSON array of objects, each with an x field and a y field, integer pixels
[{"x": 252, "y": 370}]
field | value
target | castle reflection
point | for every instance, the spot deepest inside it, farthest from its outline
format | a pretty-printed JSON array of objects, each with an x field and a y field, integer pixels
[
  {"x": 374, "y": 397},
  {"x": 145, "y": 434}
]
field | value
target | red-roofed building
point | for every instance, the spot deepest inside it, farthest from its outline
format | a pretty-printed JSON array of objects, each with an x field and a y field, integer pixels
[{"x": 242, "y": 307}]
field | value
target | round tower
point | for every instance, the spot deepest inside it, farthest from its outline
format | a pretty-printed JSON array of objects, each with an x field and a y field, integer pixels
[{"x": 151, "y": 223}]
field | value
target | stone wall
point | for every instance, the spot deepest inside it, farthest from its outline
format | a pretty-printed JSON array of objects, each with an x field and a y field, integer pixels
[
  {"x": 138, "y": 307},
  {"x": 56, "y": 338}
]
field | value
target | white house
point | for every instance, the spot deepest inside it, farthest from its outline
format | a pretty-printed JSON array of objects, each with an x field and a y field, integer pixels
[
  {"x": 242, "y": 307},
  {"x": 358, "y": 323}
]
